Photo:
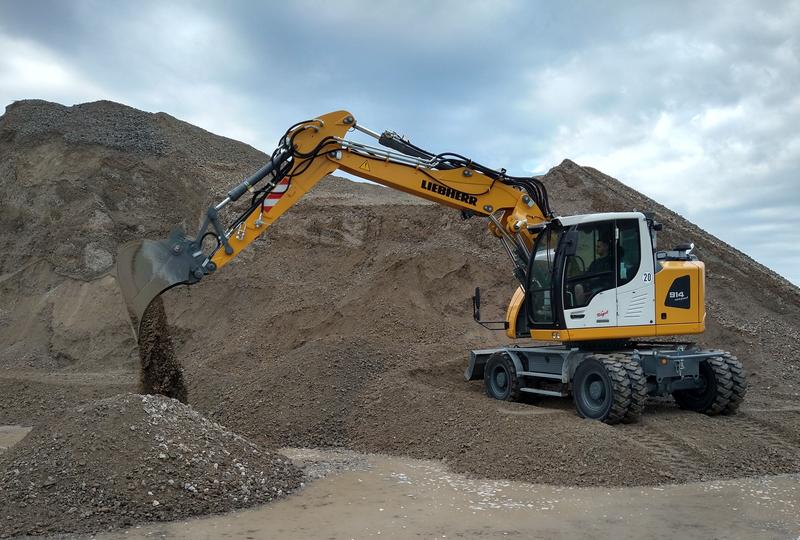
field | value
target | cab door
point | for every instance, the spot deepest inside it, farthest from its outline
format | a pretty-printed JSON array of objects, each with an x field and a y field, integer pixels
[
  {"x": 635, "y": 274},
  {"x": 589, "y": 280},
  {"x": 541, "y": 285}
]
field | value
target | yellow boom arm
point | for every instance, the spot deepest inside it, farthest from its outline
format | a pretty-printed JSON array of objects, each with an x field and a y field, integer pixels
[
  {"x": 460, "y": 187},
  {"x": 308, "y": 152}
]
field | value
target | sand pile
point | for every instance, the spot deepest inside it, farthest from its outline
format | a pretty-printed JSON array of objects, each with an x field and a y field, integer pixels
[
  {"x": 130, "y": 458},
  {"x": 75, "y": 183}
]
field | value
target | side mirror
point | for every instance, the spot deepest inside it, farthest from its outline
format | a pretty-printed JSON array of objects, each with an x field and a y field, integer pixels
[{"x": 476, "y": 304}]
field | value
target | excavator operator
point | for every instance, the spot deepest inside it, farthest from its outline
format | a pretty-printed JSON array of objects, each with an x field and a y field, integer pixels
[
  {"x": 603, "y": 262},
  {"x": 600, "y": 273}
]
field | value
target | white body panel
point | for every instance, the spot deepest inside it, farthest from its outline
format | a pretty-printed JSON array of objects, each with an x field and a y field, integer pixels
[
  {"x": 601, "y": 312},
  {"x": 636, "y": 300}
]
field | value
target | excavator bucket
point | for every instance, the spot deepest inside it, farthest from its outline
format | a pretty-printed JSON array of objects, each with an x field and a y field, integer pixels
[{"x": 147, "y": 268}]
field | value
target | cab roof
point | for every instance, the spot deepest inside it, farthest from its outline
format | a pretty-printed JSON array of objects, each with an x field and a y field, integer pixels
[{"x": 567, "y": 221}]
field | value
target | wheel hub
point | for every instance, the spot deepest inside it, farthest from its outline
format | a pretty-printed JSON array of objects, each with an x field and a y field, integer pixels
[
  {"x": 500, "y": 379},
  {"x": 596, "y": 390}
]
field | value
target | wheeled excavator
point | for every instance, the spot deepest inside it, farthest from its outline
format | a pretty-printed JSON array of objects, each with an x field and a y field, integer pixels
[{"x": 594, "y": 286}]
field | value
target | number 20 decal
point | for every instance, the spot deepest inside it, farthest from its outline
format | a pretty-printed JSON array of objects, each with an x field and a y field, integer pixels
[{"x": 647, "y": 276}]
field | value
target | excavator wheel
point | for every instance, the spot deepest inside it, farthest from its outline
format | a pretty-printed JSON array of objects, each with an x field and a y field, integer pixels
[
  {"x": 715, "y": 395},
  {"x": 739, "y": 378},
  {"x": 601, "y": 389},
  {"x": 500, "y": 378},
  {"x": 638, "y": 383}
]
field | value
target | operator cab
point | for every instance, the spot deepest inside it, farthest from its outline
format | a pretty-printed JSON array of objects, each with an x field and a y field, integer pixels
[{"x": 590, "y": 275}]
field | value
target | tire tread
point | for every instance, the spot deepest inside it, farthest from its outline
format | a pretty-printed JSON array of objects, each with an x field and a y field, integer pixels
[{"x": 739, "y": 379}]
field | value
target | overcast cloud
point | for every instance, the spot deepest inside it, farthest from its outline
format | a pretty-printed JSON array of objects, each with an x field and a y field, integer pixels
[{"x": 695, "y": 104}]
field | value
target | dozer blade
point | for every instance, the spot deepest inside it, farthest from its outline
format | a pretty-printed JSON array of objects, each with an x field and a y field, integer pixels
[{"x": 147, "y": 268}]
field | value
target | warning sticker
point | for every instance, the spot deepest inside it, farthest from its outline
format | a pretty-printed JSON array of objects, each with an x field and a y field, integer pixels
[{"x": 365, "y": 166}]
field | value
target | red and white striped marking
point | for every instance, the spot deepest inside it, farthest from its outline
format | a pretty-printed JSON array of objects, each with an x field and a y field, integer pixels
[{"x": 275, "y": 195}]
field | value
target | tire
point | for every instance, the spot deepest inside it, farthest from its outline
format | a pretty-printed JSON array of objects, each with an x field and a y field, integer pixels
[
  {"x": 739, "y": 379},
  {"x": 601, "y": 389},
  {"x": 500, "y": 378},
  {"x": 715, "y": 394},
  {"x": 638, "y": 384}
]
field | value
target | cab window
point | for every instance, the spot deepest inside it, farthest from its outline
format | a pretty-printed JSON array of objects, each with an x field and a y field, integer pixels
[
  {"x": 628, "y": 250},
  {"x": 591, "y": 269},
  {"x": 541, "y": 277}
]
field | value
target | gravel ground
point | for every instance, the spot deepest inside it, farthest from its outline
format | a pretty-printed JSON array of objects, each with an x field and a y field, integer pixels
[{"x": 132, "y": 458}]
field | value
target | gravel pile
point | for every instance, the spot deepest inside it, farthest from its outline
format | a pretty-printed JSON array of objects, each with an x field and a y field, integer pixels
[
  {"x": 132, "y": 458},
  {"x": 75, "y": 182},
  {"x": 107, "y": 123}
]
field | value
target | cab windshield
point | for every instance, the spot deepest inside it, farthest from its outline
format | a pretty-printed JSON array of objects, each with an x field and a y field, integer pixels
[{"x": 540, "y": 276}]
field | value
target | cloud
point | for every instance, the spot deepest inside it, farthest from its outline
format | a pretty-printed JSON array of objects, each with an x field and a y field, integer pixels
[
  {"x": 693, "y": 103},
  {"x": 28, "y": 69},
  {"x": 703, "y": 122}
]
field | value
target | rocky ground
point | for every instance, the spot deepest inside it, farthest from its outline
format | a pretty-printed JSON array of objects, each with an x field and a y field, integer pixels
[
  {"x": 132, "y": 458},
  {"x": 349, "y": 323}
]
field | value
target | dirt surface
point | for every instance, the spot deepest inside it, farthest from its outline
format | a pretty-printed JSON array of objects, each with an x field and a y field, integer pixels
[
  {"x": 352, "y": 495},
  {"x": 349, "y": 323},
  {"x": 11, "y": 435},
  {"x": 129, "y": 458},
  {"x": 402, "y": 498},
  {"x": 160, "y": 371}
]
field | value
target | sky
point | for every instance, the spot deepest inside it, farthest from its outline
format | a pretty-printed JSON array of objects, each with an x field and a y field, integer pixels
[{"x": 695, "y": 104}]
